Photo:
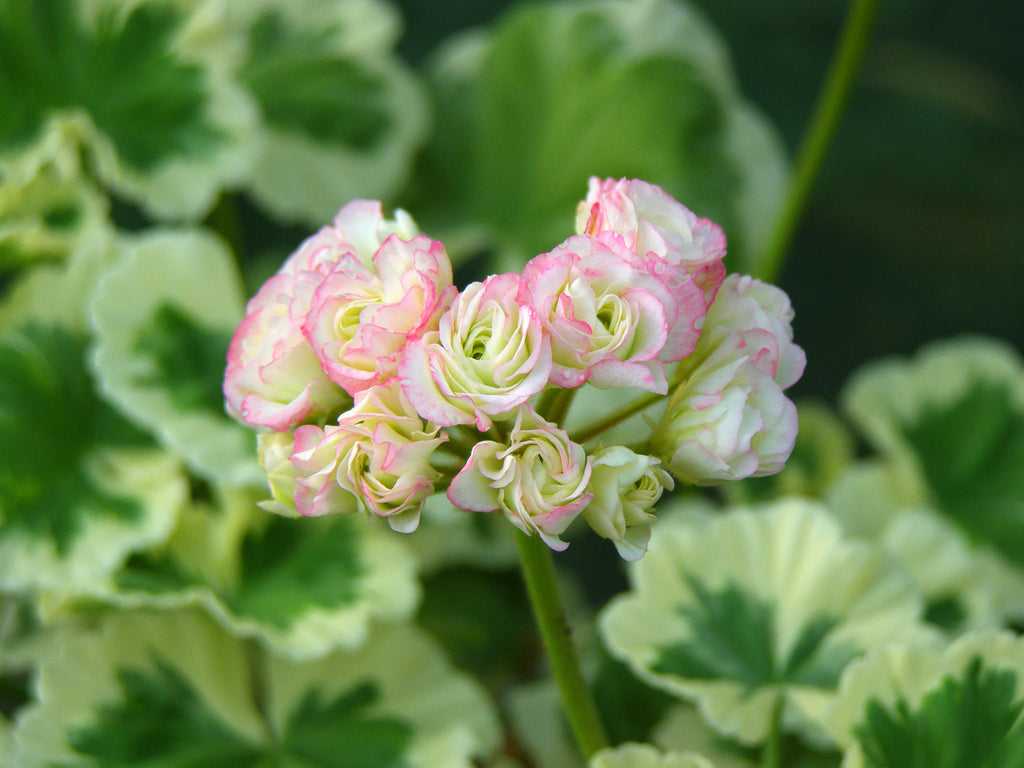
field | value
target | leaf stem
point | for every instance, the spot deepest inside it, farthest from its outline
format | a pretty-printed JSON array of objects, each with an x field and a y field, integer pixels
[
  {"x": 619, "y": 416},
  {"x": 820, "y": 131},
  {"x": 538, "y": 570}
]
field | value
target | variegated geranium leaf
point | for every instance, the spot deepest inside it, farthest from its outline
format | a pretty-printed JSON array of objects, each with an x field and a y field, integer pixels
[
  {"x": 173, "y": 688},
  {"x": 163, "y": 127},
  {"x": 47, "y": 215},
  {"x": 304, "y": 586},
  {"x": 955, "y": 416},
  {"x": 965, "y": 585},
  {"x": 80, "y": 488},
  {"x": 923, "y": 704},
  {"x": 526, "y": 112},
  {"x": 740, "y": 611},
  {"x": 342, "y": 116},
  {"x": 163, "y": 318}
]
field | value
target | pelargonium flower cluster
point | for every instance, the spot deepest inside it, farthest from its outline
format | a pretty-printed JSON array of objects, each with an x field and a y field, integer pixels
[{"x": 375, "y": 382}]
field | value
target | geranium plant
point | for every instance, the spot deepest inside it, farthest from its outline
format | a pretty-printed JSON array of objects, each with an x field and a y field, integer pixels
[{"x": 364, "y": 414}]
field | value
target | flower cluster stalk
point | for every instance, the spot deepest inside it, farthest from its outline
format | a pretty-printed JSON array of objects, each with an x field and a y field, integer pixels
[{"x": 539, "y": 574}]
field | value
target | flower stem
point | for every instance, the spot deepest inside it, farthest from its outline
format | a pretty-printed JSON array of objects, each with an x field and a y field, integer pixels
[
  {"x": 831, "y": 104},
  {"x": 771, "y": 753},
  {"x": 539, "y": 574},
  {"x": 619, "y": 416}
]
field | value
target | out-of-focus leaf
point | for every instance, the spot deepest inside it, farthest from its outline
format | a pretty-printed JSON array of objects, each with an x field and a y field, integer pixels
[
  {"x": 303, "y": 586},
  {"x": 342, "y": 116},
  {"x": 165, "y": 128},
  {"x": 163, "y": 319},
  {"x": 922, "y": 705},
  {"x": 730, "y": 612},
  {"x": 80, "y": 488},
  {"x": 954, "y": 418},
  {"x": 559, "y": 92},
  {"x": 173, "y": 688}
]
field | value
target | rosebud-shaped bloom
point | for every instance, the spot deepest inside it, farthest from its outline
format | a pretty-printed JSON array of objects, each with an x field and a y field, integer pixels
[
  {"x": 756, "y": 319},
  {"x": 727, "y": 422},
  {"x": 362, "y": 317},
  {"x": 610, "y": 320},
  {"x": 488, "y": 356},
  {"x": 626, "y": 486},
  {"x": 358, "y": 229},
  {"x": 377, "y": 459},
  {"x": 274, "y": 450},
  {"x": 273, "y": 378},
  {"x": 538, "y": 478},
  {"x": 729, "y": 419},
  {"x": 671, "y": 238}
]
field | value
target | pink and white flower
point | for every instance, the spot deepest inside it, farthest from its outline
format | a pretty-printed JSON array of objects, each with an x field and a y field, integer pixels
[
  {"x": 377, "y": 460},
  {"x": 611, "y": 322},
  {"x": 673, "y": 241},
  {"x": 626, "y": 486},
  {"x": 489, "y": 355},
  {"x": 729, "y": 418},
  {"x": 361, "y": 317},
  {"x": 273, "y": 378},
  {"x": 537, "y": 478}
]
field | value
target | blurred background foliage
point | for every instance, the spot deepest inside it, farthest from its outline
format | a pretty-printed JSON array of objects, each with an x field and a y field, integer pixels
[{"x": 914, "y": 231}]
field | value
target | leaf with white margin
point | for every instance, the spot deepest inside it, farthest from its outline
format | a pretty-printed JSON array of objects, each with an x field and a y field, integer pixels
[
  {"x": 756, "y": 605},
  {"x": 161, "y": 126},
  {"x": 59, "y": 293},
  {"x": 303, "y": 586},
  {"x": 952, "y": 421},
  {"x": 48, "y": 215},
  {"x": 526, "y": 113},
  {"x": 163, "y": 318},
  {"x": 966, "y": 584},
  {"x": 646, "y": 756},
  {"x": 927, "y": 704},
  {"x": 80, "y": 488},
  {"x": 342, "y": 116},
  {"x": 173, "y": 688}
]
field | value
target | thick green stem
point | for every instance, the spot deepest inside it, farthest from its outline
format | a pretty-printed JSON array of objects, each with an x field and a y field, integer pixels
[
  {"x": 539, "y": 573},
  {"x": 771, "y": 753},
  {"x": 831, "y": 104}
]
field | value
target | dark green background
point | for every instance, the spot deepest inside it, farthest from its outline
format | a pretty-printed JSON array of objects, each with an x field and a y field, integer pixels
[{"x": 915, "y": 230}]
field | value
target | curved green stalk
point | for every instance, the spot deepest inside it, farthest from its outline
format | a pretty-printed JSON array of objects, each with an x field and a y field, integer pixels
[
  {"x": 831, "y": 104},
  {"x": 619, "y": 416},
  {"x": 771, "y": 753},
  {"x": 539, "y": 574}
]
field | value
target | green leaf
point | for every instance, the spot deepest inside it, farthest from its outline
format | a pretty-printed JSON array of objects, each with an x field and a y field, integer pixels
[
  {"x": 64, "y": 480},
  {"x": 925, "y": 706},
  {"x": 955, "y": 414},
  {"x": 164, "y": 317},
  {"x": 116, "y": 73},
  {"x": 729, "y": 611},
  {"x": 174, "y": 689},
  {"x": 343, "y": 116},
  {"x": 290, "y": 566},
  {"x": 160, "y": 714},
  {"x": 559, "y": 92},
  {"x": 733, "y": 640},
  {"x": 971, "y": 721},
  {"x": 304, "y": 586},
  {"x": 344, "y": 734}
]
